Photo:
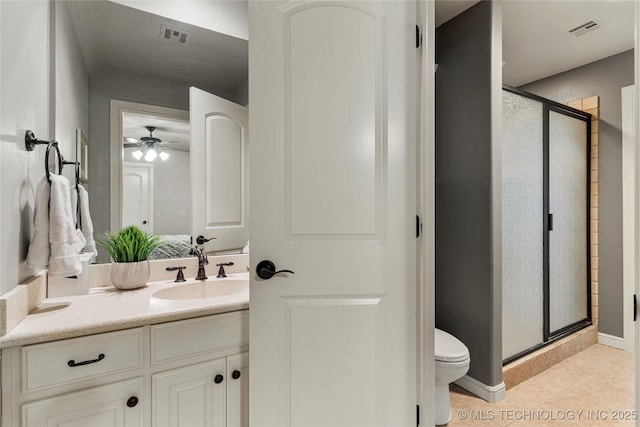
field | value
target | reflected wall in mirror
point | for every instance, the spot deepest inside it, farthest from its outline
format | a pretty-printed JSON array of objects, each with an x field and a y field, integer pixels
[{"x": 125, "y": 56}]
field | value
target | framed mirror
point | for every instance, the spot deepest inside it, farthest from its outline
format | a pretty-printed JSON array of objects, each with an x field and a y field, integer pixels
[{"x": 132, "y": 54}]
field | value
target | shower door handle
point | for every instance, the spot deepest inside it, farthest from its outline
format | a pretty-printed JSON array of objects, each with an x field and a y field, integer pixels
[{"x": 550, "y": 221}]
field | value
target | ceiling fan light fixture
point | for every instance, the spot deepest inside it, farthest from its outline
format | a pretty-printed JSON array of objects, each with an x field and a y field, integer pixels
[
  {"x": 164, "y": 156},
  {"x": 137, "y": 154},
  {"x": 151, "y": 155}
]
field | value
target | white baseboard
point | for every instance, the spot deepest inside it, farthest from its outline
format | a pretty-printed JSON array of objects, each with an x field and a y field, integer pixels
[
  {"x": 611, "y": 341},
  {"x": 490, "y": 393}
]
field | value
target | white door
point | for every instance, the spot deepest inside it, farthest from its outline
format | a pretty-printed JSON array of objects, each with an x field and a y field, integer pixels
[
  {"x": 219, "y": 170},
  {"x": 332, "y": 96},
  {"x": 137, "y": 195}
]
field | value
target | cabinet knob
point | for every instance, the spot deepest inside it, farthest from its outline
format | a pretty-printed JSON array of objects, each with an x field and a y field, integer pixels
[
  {"x": 132, "y": 401},
  {"x": 235, "y": 374},
  {"x": 218, "y": 379}
]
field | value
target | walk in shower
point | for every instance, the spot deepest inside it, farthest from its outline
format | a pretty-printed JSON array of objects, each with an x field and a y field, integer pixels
[{"x": 545, "y": 222}]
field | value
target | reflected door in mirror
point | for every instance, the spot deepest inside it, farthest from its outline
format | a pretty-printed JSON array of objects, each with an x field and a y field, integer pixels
[{"x": 137, "y": 195}]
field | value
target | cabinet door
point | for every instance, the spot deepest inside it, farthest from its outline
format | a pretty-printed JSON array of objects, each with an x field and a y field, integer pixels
[
  {"x": 191, "y": 396},
  {"x": 113, "y": 405},
  {"x": 238, "y": 390}
]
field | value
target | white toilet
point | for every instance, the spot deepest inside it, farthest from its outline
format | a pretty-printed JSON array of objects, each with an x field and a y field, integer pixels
[{"x": 452, "y": 363}]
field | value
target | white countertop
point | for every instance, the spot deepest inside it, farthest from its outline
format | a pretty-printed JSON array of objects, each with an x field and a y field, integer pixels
[{"x": 108, "y": 309}]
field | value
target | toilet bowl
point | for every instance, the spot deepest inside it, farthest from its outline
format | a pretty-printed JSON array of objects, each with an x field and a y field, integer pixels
[{"x": 452, "y": 363}]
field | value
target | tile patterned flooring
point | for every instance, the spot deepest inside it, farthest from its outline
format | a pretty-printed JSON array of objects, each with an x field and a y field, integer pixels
[{"x": 592, "y": 388}]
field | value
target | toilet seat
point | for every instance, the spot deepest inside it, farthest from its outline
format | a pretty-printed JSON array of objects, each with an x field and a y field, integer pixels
[{"x": 448, "y": 348}]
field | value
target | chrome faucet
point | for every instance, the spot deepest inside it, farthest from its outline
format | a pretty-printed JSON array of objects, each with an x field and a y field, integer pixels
[{"x": 202, "y": 261}]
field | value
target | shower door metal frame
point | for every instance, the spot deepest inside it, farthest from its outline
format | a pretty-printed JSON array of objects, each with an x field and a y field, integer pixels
[
  {"x": 549, "y": 106},
  {"x": 548, "y": 335}
]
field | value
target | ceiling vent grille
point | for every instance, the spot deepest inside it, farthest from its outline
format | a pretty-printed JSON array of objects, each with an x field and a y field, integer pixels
[
  {"x": 584, "y": 28},
  {"x": 171, "y": 34}
]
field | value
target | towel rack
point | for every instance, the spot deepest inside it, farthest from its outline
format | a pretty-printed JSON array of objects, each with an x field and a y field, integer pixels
[{"x": 31, "y": 141}]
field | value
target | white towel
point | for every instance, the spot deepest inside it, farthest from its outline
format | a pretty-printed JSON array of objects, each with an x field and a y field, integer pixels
[
  {"x": 63, "y": 259},
  {"x": 85, "y": 218},
  {"x": 38, "y": 255},
  {"x": 55, "y": 233}
]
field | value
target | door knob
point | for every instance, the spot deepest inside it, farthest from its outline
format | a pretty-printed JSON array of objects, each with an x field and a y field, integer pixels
[
  {"x": 201, "y": 240},
  {"x": 266, "y": 270},
  {"x": 218, "y": 379},
  {"x": 236, "y": 374}
]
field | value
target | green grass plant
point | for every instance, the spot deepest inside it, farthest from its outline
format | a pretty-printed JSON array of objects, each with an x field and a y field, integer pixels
[{"x": 129, "y": 244}]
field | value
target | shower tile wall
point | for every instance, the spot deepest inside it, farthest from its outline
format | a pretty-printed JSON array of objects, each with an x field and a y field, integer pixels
[{"x": 591, "y": 105}]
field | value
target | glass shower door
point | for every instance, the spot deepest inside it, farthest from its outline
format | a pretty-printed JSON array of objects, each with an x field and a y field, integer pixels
[
  {"x": 522, "y": 224},
  {"x": 568, "y": 222},
  {"x": 545, "y": 222}
]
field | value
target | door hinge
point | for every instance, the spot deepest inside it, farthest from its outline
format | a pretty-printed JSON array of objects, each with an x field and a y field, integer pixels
[
  {"x": 417, "y": 415},
  {"x": 635, "y": 308},
  {"x": 418, "y": 37},
  {"x": 418, "y": 226}
]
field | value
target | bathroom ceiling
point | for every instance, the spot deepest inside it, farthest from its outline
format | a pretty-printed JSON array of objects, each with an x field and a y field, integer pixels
[
  {"x": 536, "y": 42},
  {"x": 117, "y": 36},
  {"x": 536, "y": 38}
]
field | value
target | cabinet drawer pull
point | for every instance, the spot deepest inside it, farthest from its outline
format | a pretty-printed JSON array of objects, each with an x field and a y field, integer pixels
[
  {"x": 218, "y": 379},
  {"x": 72, "y": 363},
  {"x": 235, "y": 374},
  {"x": 132, "y": 401}
]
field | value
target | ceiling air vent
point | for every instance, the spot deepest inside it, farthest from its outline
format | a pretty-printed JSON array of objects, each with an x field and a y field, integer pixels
[
  {"x": 171, "y": 34},
  {"x": 584, "y": 28}
]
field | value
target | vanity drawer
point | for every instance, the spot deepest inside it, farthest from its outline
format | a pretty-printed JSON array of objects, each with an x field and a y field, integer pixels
[
  {"x": 194, "y": 336},
  {"x": 76, "y": 359}
]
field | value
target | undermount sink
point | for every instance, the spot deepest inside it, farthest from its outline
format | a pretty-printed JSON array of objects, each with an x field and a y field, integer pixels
[{"x": 183, "y": 295}]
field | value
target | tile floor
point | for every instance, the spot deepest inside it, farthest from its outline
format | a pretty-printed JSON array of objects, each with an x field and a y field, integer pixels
[{"x": 592, "y": 388}]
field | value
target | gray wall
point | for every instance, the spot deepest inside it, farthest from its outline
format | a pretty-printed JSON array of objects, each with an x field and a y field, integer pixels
[
  {"x": 468, "y": 298},
  {"x": 72, "y": 87},
  {"x": 604, "y": 78},
  {"x": 48, "y": 94}
]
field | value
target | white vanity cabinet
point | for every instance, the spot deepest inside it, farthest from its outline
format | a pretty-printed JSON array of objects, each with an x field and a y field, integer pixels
[
  {"x": 213, "y": 393},
  {"x": 185, "y": 373},
  {"x": 110, "y": 405}
]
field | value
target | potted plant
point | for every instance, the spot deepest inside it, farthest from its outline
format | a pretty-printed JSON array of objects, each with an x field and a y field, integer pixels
[{"x": 129, "y": 249}]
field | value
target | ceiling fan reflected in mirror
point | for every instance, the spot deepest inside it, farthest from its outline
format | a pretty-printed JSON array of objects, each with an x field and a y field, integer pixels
[{"x": 149, "y": 147}]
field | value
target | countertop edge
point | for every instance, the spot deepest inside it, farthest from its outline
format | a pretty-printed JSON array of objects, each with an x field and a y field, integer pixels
[
  {"x": 71, "y": 332},
  {"x": 104, "y": 310}
]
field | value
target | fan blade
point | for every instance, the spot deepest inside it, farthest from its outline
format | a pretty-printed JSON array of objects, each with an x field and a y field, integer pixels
[
  {"x": 131, "y": 145},
  {"x": 130, "y": 140}
]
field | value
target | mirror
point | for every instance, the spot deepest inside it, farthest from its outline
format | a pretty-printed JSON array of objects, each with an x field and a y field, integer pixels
[{"x": 148, "y": 54}]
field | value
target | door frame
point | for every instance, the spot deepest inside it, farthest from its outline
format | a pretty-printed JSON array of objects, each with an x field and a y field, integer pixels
[
  {"x": 628, "y": 203},
  {"x": 636, "y": 72},
  {"x": 426, "y": 188},
  {"x": 116, "y": 109}
]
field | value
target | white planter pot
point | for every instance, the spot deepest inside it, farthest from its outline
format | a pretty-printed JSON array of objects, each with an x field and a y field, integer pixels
[{"x": 129, "y": 275}]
